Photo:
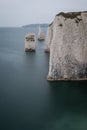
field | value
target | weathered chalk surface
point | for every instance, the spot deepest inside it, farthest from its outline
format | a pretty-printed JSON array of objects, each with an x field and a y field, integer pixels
[
  {"x": 49, "y": 37},
  {"x": 30, "y": 42},
  {"x": 67, "y": 42}
]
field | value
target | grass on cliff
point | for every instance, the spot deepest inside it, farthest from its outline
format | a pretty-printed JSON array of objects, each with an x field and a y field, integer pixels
[{"x": 71, "y": 15}]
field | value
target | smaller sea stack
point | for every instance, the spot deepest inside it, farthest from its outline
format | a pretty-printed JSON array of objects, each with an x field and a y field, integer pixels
[
  {"x": 30, "y": 42},
  {"x": 40, "y": 34}
]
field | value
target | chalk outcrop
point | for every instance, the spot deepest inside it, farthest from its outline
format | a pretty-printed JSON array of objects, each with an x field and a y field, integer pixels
[
  {"x": 40, "y": 34},
  {"x": 30, "y": 42},
  {"x": 67, "y": 43},
  {"x": 49, "y": 37}
]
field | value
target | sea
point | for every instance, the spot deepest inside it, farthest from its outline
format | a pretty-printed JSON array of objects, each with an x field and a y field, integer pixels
[{"x": 27, "y": 100}]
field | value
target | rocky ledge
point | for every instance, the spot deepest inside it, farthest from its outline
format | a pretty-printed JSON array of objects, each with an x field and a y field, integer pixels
[{"x": 67, "y": 43}]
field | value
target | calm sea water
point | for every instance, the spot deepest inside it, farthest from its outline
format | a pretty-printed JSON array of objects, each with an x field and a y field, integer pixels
[{"x": 27, "y": 100}]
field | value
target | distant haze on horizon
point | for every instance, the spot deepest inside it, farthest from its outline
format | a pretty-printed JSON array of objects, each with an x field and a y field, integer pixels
[{"x": 22, "y": 12}]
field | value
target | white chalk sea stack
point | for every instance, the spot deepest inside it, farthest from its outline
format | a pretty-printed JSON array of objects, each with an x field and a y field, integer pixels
[
  {"x": 40, "y": 34},
  {"x": 67, "y": 43},
  {"x": 30, "y": 42}
]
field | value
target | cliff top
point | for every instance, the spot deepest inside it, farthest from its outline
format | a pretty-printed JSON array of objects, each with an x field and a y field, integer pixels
[{"x": 71, "y": 15}]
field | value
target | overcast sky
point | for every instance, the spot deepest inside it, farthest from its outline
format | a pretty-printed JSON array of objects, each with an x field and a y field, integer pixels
[{"x": 22, "y": 12}]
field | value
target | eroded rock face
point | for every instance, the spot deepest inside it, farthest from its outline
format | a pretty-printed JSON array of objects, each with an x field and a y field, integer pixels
[
  {"x": 30, "y": 42},
  {"x": 67, "y": 42},
  {"x": 49, "y": 37}
]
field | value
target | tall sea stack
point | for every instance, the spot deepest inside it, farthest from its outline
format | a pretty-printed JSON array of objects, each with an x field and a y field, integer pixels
[{"x": 67, "y": 43}]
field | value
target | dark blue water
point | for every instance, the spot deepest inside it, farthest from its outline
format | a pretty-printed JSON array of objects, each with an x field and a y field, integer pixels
[{"x": 27, "y": 100}]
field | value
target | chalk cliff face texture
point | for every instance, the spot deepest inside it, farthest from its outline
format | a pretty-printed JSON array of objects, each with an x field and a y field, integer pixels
[
  {"x": 67, "y": 42},
  {"x": 49, "y": 37}
]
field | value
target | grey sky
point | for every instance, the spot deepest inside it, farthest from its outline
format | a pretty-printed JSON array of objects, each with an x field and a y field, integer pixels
[{"x": 21, "y": 12}]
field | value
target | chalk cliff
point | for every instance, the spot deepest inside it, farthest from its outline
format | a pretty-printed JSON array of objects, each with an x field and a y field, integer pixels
[{"x": 67, "y": 42}]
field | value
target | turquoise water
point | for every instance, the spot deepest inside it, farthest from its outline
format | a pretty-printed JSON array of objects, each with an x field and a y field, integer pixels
[{"x": 27, "y": 100}]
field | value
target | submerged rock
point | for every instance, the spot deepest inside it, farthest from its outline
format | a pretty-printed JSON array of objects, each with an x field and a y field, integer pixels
[
  {"x": 30, "y": 42},
  {"x": 67, "y": 42}
]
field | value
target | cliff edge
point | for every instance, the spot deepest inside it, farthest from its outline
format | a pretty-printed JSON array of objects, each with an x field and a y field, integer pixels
[{"x": 66, "y": 41}]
